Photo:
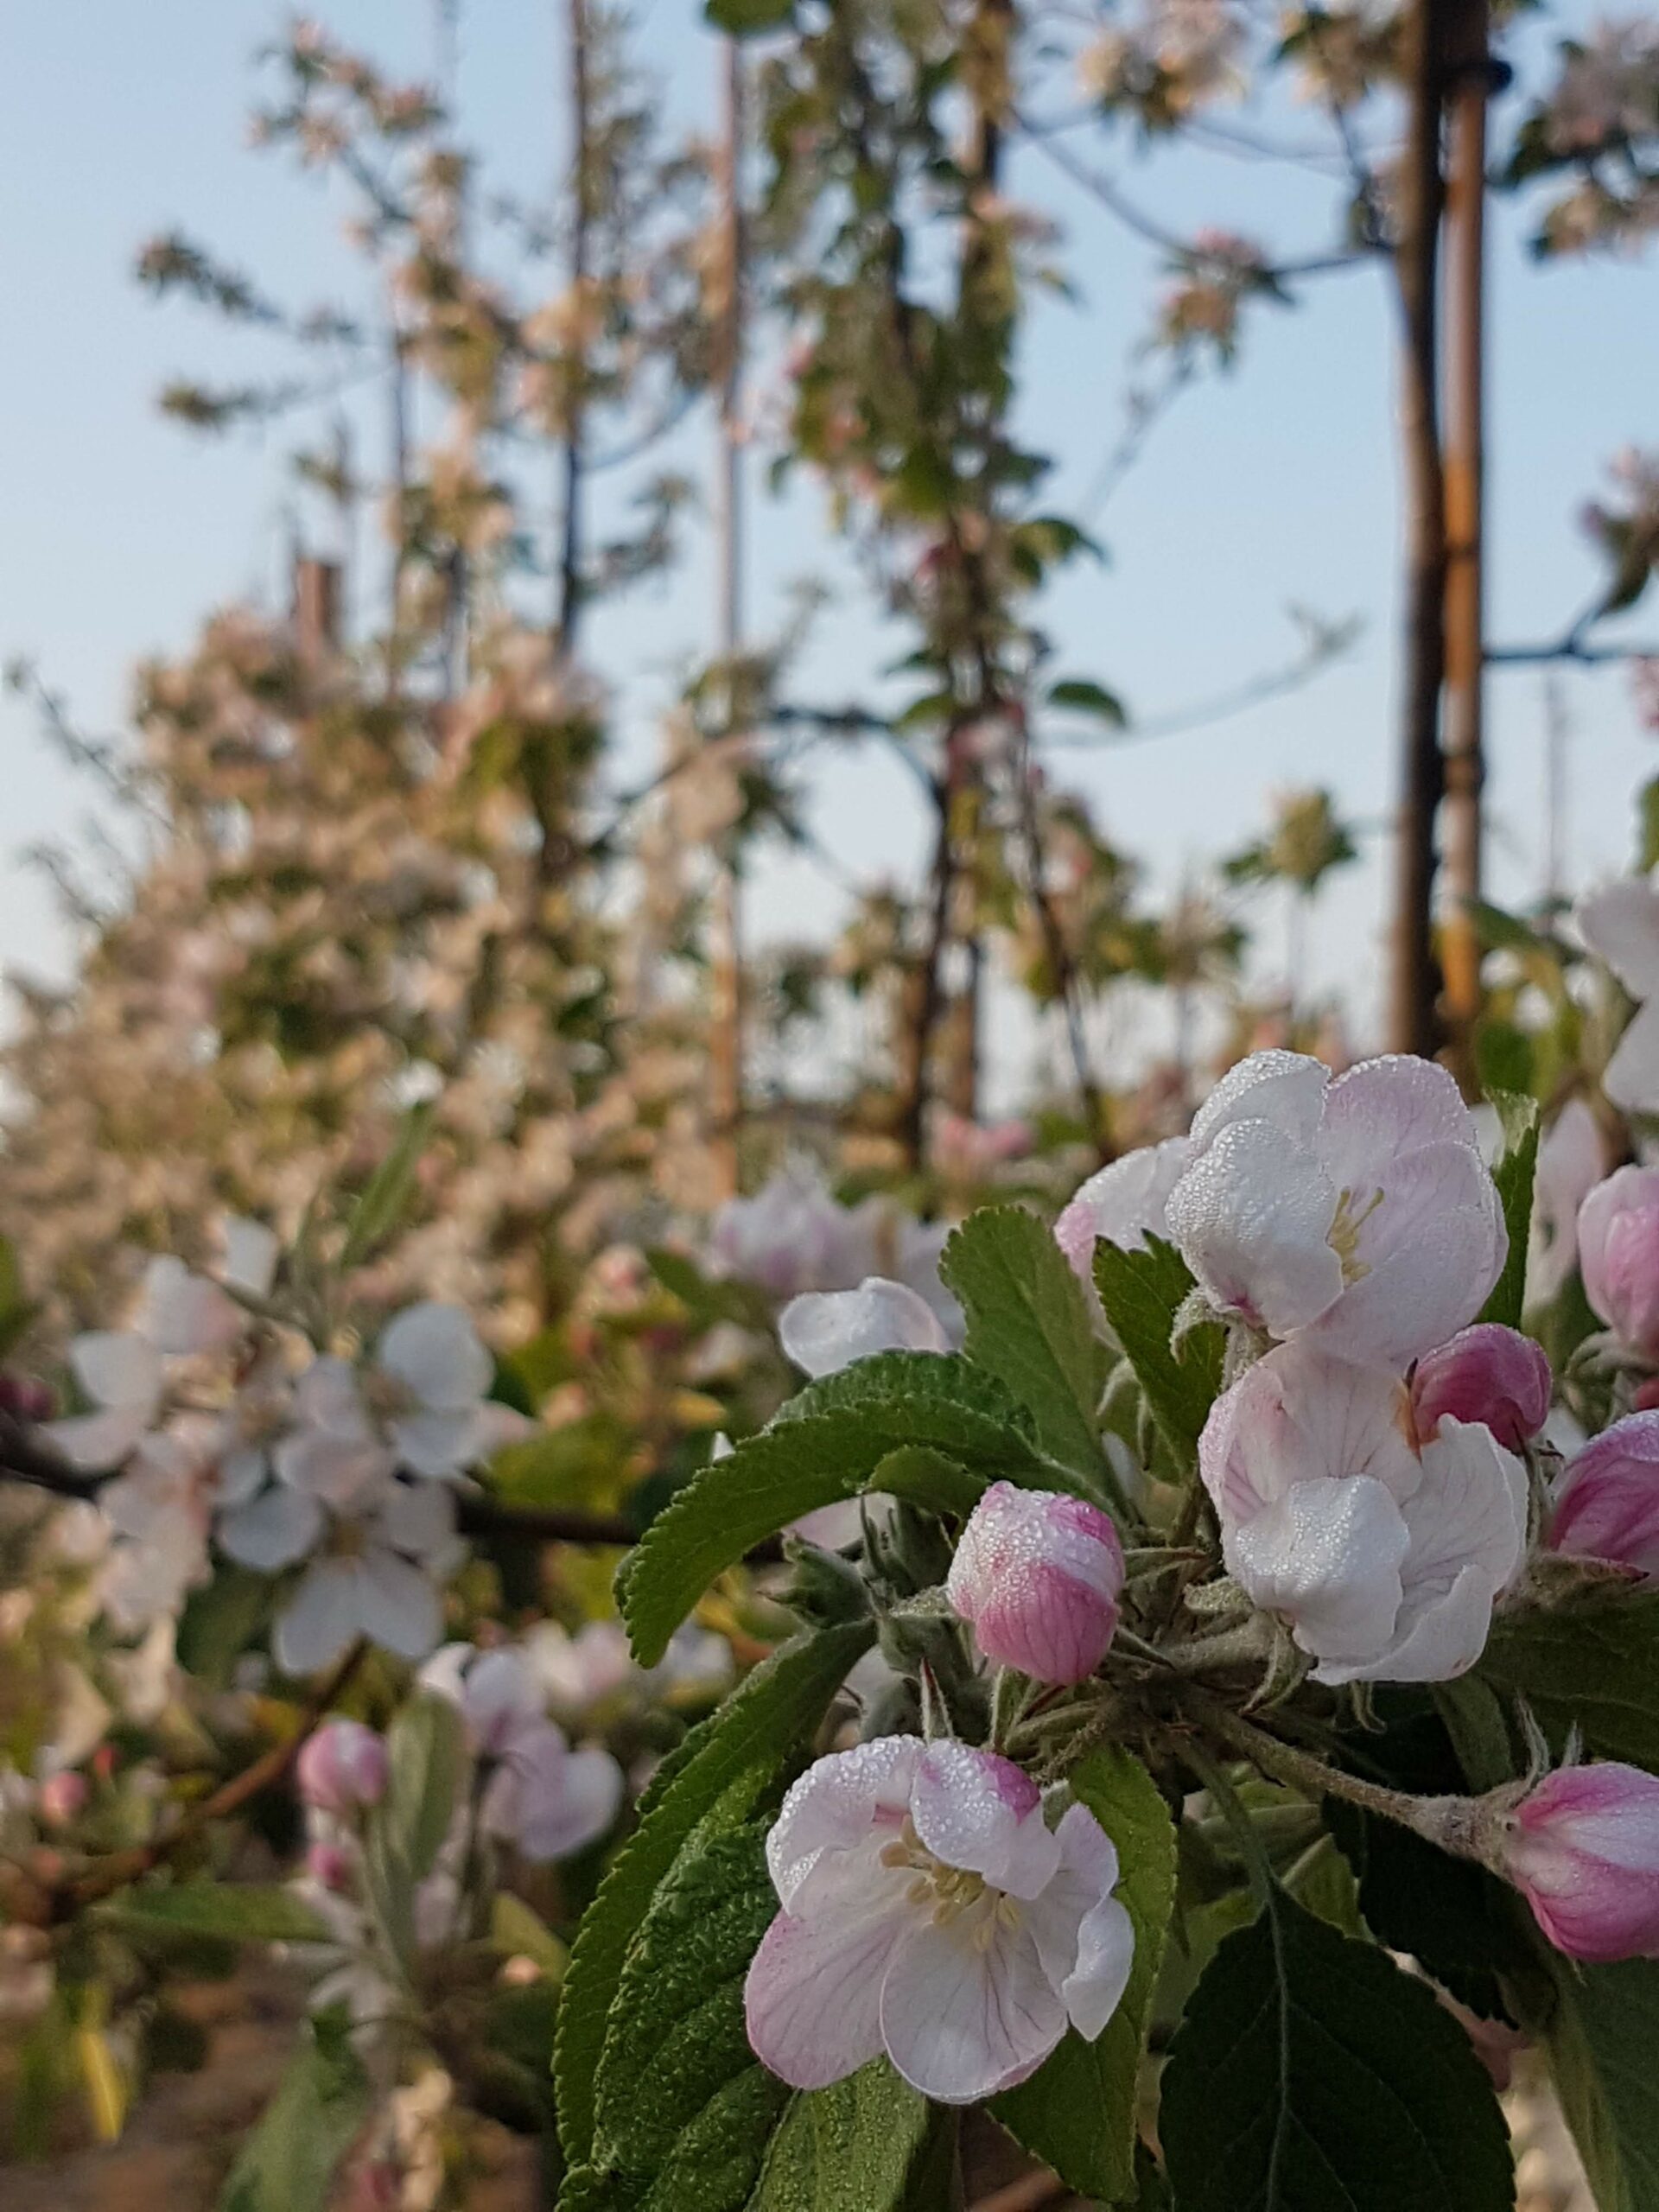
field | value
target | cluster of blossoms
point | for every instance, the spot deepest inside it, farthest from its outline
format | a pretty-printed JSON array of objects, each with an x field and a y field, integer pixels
[{"x": 219, "y": 1425}]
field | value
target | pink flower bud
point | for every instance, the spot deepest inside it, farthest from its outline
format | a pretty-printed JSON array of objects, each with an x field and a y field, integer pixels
[
  {"x": 1607, "y": 1502},
  {"x": 342, "y": 1767},
  {"x": 1487, "y": 1374},
  {"x": 1619, "y": 1253},
  {"x": 26, "y": 1397},
  {"x": 331, "y": 1866},
  {"x": 1583, "y": 1849},
  {"x": 1037, "y": 1574},
  {"x": 63, "y": 1795}
]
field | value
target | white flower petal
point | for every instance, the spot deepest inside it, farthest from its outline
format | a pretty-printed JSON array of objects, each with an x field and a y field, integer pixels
[
  {"x": 1084, "y": 1937},
  {"x": 1383, "y": 1109},
  {"x": 1285, "y": 1088},
  {"x": 1631, "y": 1077},
  {"x": 419, "y": 1518},
  {"x": 582, "y": 1808},
  {"x": 398, "y": 1607},
  {"x": 114, "y": 1367},
  {"x": 327, "y": 1396},
  {"x": 966, "y": 2008},
  {"x": 99, "y": 1441},
  {"x": 273, "y": 1532},
  {"x": 1326, "y": 1555},
  {"x": 437, "y": 1445},
  {"x": 341, "y": 1469},
  {"x": 320, "y": 1622},
  {"x": 434, "y": 1350},
  {"x": 812, "y": 2001},
  {"x": 1621, "y": 924},
  {"x": 183, "y": 1313},
  {"x": 834, "y": 1809},
  {"x": 1570, "y": 1162},
  {"x": 251, "y": 1252},
  {"x": 1253, "y": 1218},
  {"x": 1123, "y": 1203},
  {"x": 823, "y": 1332}
]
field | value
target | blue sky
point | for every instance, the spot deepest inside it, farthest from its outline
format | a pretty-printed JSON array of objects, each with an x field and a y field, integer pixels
[{"x": 1273, "y": 483}]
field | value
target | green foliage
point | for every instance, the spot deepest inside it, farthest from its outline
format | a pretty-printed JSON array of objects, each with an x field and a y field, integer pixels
[
  {"x": 827, "y": 1445},
  {"x": 1593, "y": 1665},
  {"x": 864, "y": 2144},
  {"x": 224, "y": 1619},
  {"x": 1514, "y": 1176},
  {"x": 17, "y": 1310},
  {"x": 236, "y": 1912},
  {"x": 729, "y": 1761},
  {"x": 1077, "y": 2111},
  {"x": 1602, "y": 2033},
  {"x": 384, "y": 1198},
  {"x": 1142, "y": 1292},
  {"x": 1079, "y": 695},
  {"x": 289, "y": 2161},
  {"x": 682, "y": 2107},
  {"x": 1311, "y": 2072},
  {"x": 1028, "y": 1325},
  {"x": 742, "y": 18},
  {"x": 427, "y": 1749}
]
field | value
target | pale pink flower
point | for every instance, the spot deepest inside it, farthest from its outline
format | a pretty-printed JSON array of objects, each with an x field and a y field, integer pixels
[
  {"x": 1039, "y": 1575},
  {"x": 1583, "y": 1849},
  {"x": 822, "y": 1331},
  {"x": 1607, "y": 1500},
  {"x": 1618, "y": 1255},
  {"x": 342, "y": 1767},
  {"x": 1358, "y": 1208},
  {"x": 121, "y": 1372},
  {"x": 1621, "y": 924},
  {"x": 1487, "y": 1374},
  {"x": 1384, "y": 1558},
  {"x": 928, "y": 1911},
  {"x": 1123, "y": 1202},
  {"x": 431, "y": 1378},
  {"x": 546, "y": 1799},
  {"x": 792, "y": 1236}
]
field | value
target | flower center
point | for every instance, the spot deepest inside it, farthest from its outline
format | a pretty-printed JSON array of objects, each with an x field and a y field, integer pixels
[
  {"x": 1343, "y": 1236},
  {"x": 949, "y": 1891}
]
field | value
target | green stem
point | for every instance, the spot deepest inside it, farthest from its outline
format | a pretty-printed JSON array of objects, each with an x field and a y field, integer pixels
[{"x": 1251, "y": 1848}]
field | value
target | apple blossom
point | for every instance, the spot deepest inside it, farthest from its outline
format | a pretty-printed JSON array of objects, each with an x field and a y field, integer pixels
[
  {"x": 548, "y": 1800},
  {"x": 430, "y": 1381},
  {"x": 1037, "y": 1574},
  {"x": 928, "y": 1911},
  {"x": 822, "y": 1331},
  {"x": 1572, "y": 1159},
  {"x": 1583, "y": 1849},
  {"x": 792, "y": 1236},
  {"x": 121, "y": 1372},
  {"x": 1621, "y": 924},
  {"x": 64, "y": 1796},
  {"x": 1358, "y": 1207},
  {"x": 159, "y": 1510},
  {"x": 184, "y": 1313},
  {"x": 1384, "y": 1556},
  {"x": 1123, "y": 1203},
  {"x": 342, "y": 1767},
  {"x": 1606, "y": 1503},
  {"x": 1619, "y": 1254},
  {"x": 1487, "y": 1374}
]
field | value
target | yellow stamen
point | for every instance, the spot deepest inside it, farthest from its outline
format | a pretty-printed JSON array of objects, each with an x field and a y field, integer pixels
[{"x": 1343, "y": 1236}]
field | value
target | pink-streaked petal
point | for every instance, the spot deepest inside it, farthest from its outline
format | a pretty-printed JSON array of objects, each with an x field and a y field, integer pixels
[
  {"x": 976, "y": 1810},
  {"x": 1441, "y": 1634},
  {"x": 966, "y": 2008},
  {"x": 277, "y": 1528},
  {"x": 1471, "y": 1509},
  {"x": 823, "y": 1332},
  {"x": 1123, "y": 1203},
  {"x": 1085, "y": 1938},
  {"x": 1383, "y": 1109},
  {"x": 1327, "y": 1556},
  {"x": 1285, "y": 1088},
  {"x": 555, "y": 1821},
  {"x": 1253, "y": 1216},
  {"x": 836, "y": 1805},
  {"x": 1299, "y": 1415},
  {"x": 812, "y": 2001},
  {"x": 1571, "y": 1161},
  {"x": 435, "y": 1352},
  {"x": 1429, "y": 1253}
]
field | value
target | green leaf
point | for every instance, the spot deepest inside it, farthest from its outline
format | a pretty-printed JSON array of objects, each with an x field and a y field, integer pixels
[
  {"x": 681, "y": 2103},
  {"x": 809, "y": 1458},
  {"x": 1513, "y": 1176},
  {"x": 384, "y": 1197},
  {"x": 18, "y": 1310},
  {"x": 1310, "y": 2072},
  {"x": 1455, "y": 1919},
  {"x": 743, "y": 18},
  {"x": 236, "y": 1912},
  {"x": 863, "y": 2146},
  {"x": 224, "y": 1619},
  {"x": 1142, "y": 1292},
  {"x": 1077, "y": 2111},
  {"x": 426, "y": 1751},
  {"x": 1084, "y": 697},
  {"x": 923, "y": 1476},
  {"x": 288, "y": 2163},
  {"x": 1601, "y": 2036},
  {"x": 729, "y": 1759},
  {"x": 1595, "y": 1664},
  {"x": 1029, "y": 1326}
]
